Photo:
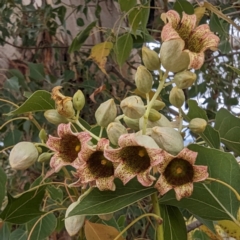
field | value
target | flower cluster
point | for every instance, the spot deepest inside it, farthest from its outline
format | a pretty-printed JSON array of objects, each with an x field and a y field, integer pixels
[{"x": 98, "y": 165}]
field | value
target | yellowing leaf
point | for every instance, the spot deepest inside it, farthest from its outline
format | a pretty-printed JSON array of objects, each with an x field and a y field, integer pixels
[
  {"x": 96, "y": 231},
  {"x": 99, "y": 54},
  {"x": 211, "y": 235},
  {"x": 230, "y": 228},
  {"x": 199, "y": 12}
]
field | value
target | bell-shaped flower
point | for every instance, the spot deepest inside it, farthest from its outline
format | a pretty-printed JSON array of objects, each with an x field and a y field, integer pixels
[
  {"x": 196, "y": 39},
  {"x": 179, "y": 173},
  {"x": 136, "y": 157},
  {"x": 94, "y": 168},
  {"x": 66, "y": 147}
]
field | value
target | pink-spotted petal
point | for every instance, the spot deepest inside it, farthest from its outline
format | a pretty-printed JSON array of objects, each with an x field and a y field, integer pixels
[
  {"x": 169, "y": 33},
  {"x": 200, "y": 173},
  {"x": 102, "y": 143},
  {"x": 57, "y": 163},
  {"x": 64, "y": 129},
  {"x": 156, "y": 156},
  {"x": 162, "y": 185},
  {"x": 112, "y": 154},
  {"x": 196, "y": 59},
  {"x": 86, "y": 152},
  {"x": 85, "y": 175},
  {"x": 106, "y": 183},
  {"x": 126, "y": 140},
  {"x": 184, "y": 190},
  {"x": 187, "y": 24},
  {"x": 54, "y": 143},
  {"x": 145, "y": 178},
  {"x": 124, "y": 173},
  {"x": 210, "y": 41},
  {"x": 188, "y": 155},
  {"x": 172, "y": 17}
]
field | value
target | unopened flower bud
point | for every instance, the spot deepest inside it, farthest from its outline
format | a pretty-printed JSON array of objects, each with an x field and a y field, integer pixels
[
  {"x": 172, "y": 56},
  {"x": 78, "y": 100},
  {"x": 114, "y": 131},
  {"x": 106, "y": 113},
  {"x": 65, "y": 108},
  {"x": 54, "y": 117},
  {"x": 158, "y": 105},
  {"x": 133, "y": 107},
  {"x": 150, "y": 59},
  {"x": 176, "y": 97},
  {"x": 184, "y": 79},
  {"x": 74, "y": 223},
  {"x": 197, "y": 125},
  {"x": 143, "y": 79},
  {"x": 168, "y": 139},
  {"x": 162, "y": 122},
  {"x": 44, "y": 157},
  {"x": 43, "y": 135},
  {"x": 23, "y": 155},
  {"x": 132, "y": 123},
  {"x": 154, "y": 115}
]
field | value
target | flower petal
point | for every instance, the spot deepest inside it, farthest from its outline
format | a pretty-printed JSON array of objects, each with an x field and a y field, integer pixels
[
  {"x": 145, "y": 178},
  {"x": 188, "y": 155},
  {"x": 102, "y": 143},
  {"x": 156, "y": 155},
  {"x": 54, "y": 143},
  {"x": 124, "y": 173},
  {"x": 106, "y": 183},
  {"x": 200, "y": 173},
  {"x": 184, "y": 190},
  {"x": 196, "y": 59},
  {"x": 172, "y": 17},
  {"x": 112, "y": 154},
  {"x": 57, "y": 162},
  {"x": 64, "y": 129},
  {"x": 169, "y": 33},
  {"x": 126, "y": 140},
  {"x": 162, "y": 185}
]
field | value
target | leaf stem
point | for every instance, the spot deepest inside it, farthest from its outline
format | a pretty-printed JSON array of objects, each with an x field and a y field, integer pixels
[
  {"x": 4, "y": 100},
  {"x": 13, "y": 119},
  {"x": 159, "y": 220}
]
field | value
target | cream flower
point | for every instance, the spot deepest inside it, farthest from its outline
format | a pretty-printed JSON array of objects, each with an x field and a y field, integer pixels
[
  {"x": 94, "y": 168},
  {"x": 136, "y": 157},
  {"x": 66, "y": 147},
  {"x": 194, "y": 39},
  {"x": 179, "y": 173}
]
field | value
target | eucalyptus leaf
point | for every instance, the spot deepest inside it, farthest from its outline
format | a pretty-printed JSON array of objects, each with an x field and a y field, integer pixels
[{"x": 39, "y": 101}]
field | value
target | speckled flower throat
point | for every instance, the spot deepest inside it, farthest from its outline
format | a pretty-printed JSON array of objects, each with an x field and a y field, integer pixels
[
  {"x": 99, "y": 165},
  {"x": 70, "y": 146},
  {"x": 136, "y": 158},
  {"x": 179, "y": 172}
]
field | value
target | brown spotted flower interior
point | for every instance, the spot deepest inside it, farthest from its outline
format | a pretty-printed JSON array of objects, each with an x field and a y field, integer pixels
[
  {"x": 136, "y": 157},
  {"x": 99, "y": 166},
  {"x": 179, "y": 172},
  {"x": 70, "y": 146}
]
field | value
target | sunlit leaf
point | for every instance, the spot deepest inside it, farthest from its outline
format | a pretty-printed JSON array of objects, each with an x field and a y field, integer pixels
[{"x": 39, "y": 101}]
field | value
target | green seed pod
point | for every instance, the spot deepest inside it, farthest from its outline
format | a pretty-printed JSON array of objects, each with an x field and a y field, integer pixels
[
  {"x": 150, "y": 59},
  {"x": 154, "y": 115},
  {"x": 114, "y": 131},
  {"x": 133, "y": 107},
  {"x": 23, "y": 155},
  {"x": 54, "y": 117},
  {"x": 132, "y": 123},
  {"x": 106, "y": 113},
  {"x": 184, "y": 79},
  {"x": 143, "y": 79},
  {"x": 78, "y": 100},
  {"x": 44, "y": 157},
  {"x": 197, "y": 125},
  {"x": 158, "y": 105},
  {"x": 176, "y": 97}
]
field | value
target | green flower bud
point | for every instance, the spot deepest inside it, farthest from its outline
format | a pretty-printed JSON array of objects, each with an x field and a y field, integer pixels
[
  {"x": 114, "y": 131},
  {"x": 184, "y": 79},
  {"x": 154, "y": 115},
  {"x": 44, "y": 157},
  {"x": 133, "y": 107},
  {"x": 162, "y": 122},
  {"x": 158, "y": 105},
  {"x": 54, "y": 117},
  {"x": 78, "y": 100},
  {"x": 168, "y": 139},
  {"x": 23, "y": 155},
  {"x": 65, "y": 108},
  {"x": 43, "y": 135},
  {"x": 197, "y": 125},
  {"x": 106, "y": 113},
  {"x": 74, "y": 223},
  {"x": 176, "y": 97},
  {"x": 150, "y": 59},
  {"x": 132, "y": 123},
  {"x": 143, "y": 79}
]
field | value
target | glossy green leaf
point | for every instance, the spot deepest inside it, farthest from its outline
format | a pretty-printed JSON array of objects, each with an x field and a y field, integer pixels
[
  {"x": 210, "y": 135},
  {"x": 229, "y": 129},
  {"x": 12, "y": 137},
  {"x": 215, "y": 24},
  {"x": 183, "y": 6},
  {"x": 4, "y": 231},
  {"x": 174, "y": 227},
  {"x": 55, "y": 193},
  {"x": 18, "y": 234},
  {"x": 24, "y": 208},
  {"x": 211, "y": 200},
  {"x": 134, "y": 18},
  {"x": 123, "y": 47},
  {"x": 3, "y": 180},
  {"x": 45, "y": 226},
  {"x": 39, "y": 101},
  {"x": 36, "y": 71},
  {"x": 126, "y": 5},
  {"x": 81, "y": 38},
  {"x": 101, "y": 202}
]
